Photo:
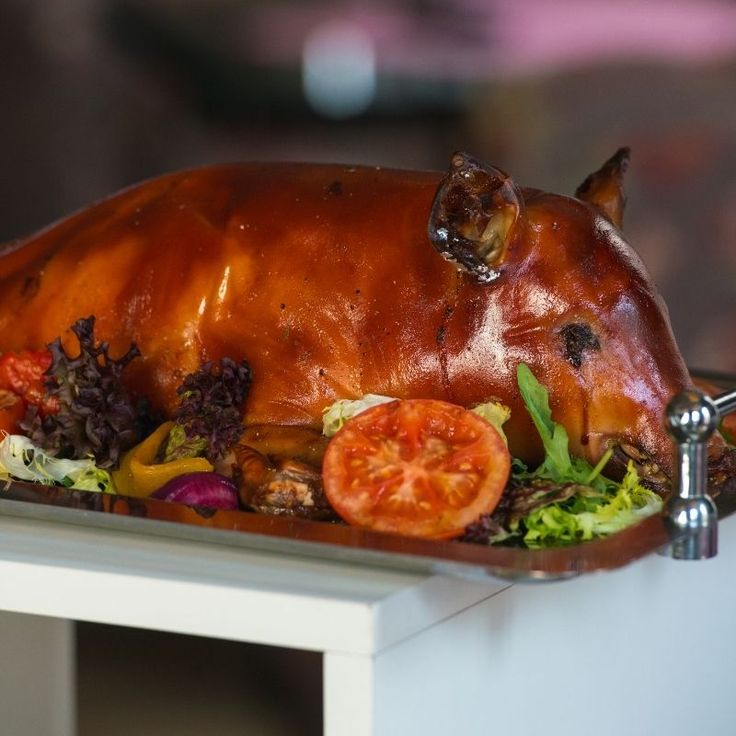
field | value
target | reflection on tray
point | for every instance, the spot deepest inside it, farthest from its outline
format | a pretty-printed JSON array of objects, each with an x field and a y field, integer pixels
[{"x": 334, "y": 541}]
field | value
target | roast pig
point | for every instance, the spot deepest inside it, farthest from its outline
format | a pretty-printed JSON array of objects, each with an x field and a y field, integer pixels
[{"x": 336, "y": 281}]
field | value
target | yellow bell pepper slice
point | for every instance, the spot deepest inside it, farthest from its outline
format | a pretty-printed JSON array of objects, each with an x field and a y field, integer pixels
[{"x": 140, "y": 476}]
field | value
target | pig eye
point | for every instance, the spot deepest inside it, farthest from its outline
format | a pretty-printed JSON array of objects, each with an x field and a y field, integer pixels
[{"x": 577, "y": 338}]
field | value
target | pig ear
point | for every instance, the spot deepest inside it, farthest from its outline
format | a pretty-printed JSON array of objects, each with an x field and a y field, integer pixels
[
  {"x": 604, "y": 189},
  {"x": 476, "y": 212}
]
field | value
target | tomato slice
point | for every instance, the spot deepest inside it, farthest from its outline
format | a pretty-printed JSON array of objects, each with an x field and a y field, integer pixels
[{"x": 418, "y": 467}]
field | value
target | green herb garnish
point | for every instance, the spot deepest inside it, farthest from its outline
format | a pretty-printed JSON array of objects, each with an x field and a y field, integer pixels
[{"x": 599, "y": 506}]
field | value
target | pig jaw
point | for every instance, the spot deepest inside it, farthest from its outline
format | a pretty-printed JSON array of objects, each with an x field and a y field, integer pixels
[{"x": 624, "y": 388}]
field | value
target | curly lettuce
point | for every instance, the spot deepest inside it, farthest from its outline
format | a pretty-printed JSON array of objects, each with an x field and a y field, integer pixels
[
  {"x": 97, "y": 416},
  {"x": 496, "y": 414},
  {"x": 589, "y": 514},
  {"x": 599, "y": 506},
  {"x": 209, "y": 418},
  {"x": 335, "y": 415},
  {"x": 22, "y": 460}
]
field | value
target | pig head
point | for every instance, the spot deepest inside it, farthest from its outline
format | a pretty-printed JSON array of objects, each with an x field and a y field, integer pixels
[
  {"x": 562, "y": 291},
  {"x": 324, "y": 279}
]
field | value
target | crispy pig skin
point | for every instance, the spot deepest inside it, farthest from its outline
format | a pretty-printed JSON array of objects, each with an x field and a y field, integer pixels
[{"x": 324, "y": 279}]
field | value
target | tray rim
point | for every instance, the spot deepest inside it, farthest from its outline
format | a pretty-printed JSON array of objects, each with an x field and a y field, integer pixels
[{"x": 337, "y": 543}]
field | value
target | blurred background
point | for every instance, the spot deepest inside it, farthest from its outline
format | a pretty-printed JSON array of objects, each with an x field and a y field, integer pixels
[{"x": 99, "y": 94}]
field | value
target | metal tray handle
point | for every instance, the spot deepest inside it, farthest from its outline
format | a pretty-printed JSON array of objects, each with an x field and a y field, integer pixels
[{"x": 690, "y": 513}]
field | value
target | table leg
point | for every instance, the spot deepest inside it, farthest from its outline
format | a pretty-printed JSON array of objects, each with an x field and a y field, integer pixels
[
  {"x": 37, "y": 676},
  {"x": 433, "y": 683},
  {"x": 348, "y": 694}
]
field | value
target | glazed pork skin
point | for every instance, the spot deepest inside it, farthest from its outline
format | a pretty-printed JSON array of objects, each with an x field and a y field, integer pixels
[{"x": 324, "y": 278}]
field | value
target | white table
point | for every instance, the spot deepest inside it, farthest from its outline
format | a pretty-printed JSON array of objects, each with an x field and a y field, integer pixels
[{"x": 644, "y": 650}]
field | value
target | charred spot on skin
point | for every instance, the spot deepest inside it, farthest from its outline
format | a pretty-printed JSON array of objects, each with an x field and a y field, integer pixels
[
  {"x": 441, "y": 333},
  {"x": 335, "y": 188},
  {"x": 578, "y": 338}
]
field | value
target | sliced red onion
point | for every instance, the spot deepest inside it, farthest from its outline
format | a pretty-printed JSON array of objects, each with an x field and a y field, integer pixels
[{"x": 200, "y": 489}]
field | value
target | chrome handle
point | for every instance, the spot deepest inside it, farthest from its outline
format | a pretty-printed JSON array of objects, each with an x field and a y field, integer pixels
[
  {"x": 725, "y": 403},
  {"x": 692, "y": 417}
]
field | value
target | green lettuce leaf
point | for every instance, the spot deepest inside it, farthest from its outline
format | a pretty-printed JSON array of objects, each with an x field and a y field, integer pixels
[
  {"x": 178, "y": 445},
  {"x": 496, "y": 414},
  {"x": 600, "y": 507},
  {"x": 335, "y": 415},
  {"x": 21, "y": 459},
  {"x": 558, "y": 466},
  {"x": 586, "y": 517}
]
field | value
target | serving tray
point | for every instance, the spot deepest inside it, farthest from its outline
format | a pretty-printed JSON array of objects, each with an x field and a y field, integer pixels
[
  {"x": 336, "y": 542},
  {"x": 339, "y": 542}
]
